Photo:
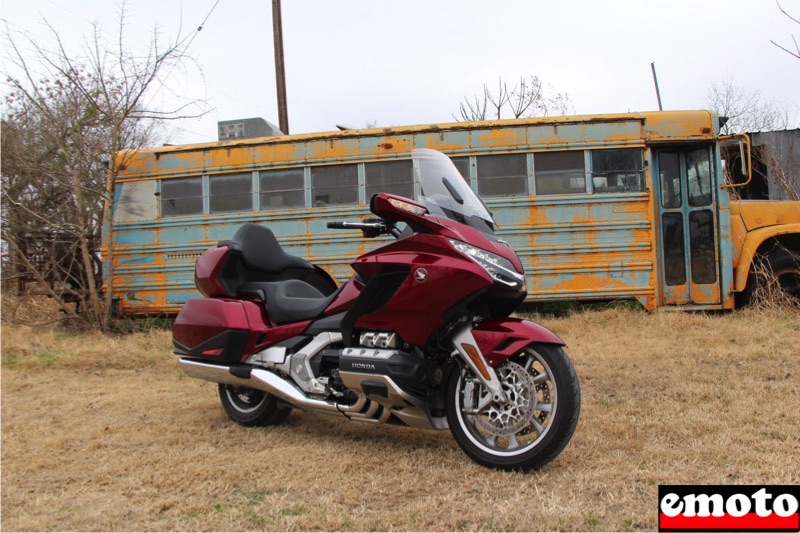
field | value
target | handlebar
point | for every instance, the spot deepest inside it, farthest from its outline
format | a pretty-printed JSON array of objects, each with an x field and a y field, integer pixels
[
  {"x": 368, "y": 229},
  {"x": 356, "y": 225}
]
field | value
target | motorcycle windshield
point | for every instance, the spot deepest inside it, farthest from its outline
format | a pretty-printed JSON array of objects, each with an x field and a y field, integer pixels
[{"x": 445, "y": 192}]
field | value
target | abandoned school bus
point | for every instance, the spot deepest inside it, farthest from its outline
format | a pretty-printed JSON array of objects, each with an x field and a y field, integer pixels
[{"x": 605, "y": 207}]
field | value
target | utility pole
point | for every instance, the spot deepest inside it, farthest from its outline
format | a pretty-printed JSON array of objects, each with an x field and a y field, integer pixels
[{"x": 280, "y": 73}]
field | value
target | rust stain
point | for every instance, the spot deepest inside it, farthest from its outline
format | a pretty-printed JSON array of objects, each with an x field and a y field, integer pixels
[{"x": 570, "y": 244}]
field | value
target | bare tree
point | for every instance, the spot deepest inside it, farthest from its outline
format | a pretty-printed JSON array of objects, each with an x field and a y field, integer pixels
[
  {"x": 792, "y": 52},
  {"x": 746, "y": 111},
  {"x": 65, "y": 114},
  {"x": 527, "y": 98},
  {"x": 780, "y": 156}
]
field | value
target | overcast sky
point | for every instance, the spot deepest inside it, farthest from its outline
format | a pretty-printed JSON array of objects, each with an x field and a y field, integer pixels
[{"x": 410, "y": 62}]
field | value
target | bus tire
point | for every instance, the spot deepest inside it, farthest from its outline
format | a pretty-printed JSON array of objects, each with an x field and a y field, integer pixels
[{"x": 779, "y": 268}]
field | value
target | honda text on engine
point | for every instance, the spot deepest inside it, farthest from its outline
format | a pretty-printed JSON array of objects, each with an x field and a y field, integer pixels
[{"x": 419, "y": 336}]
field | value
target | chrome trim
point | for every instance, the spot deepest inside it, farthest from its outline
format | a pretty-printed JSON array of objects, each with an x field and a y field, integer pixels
[
  {"x": 463, "y": 335},
  {"x": 210, "y": 372},
  {"x": 282, "y": 389},
  {"x": 378, "y": 339},
  {"x": 410, "y": 410},
  {"x": 369, "y": 353},
  {"x": 298, "y": 365},
  {"x": 269, "y": 358}
]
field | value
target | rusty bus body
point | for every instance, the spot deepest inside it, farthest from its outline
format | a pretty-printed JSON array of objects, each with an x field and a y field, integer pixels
[{"x": 602, "y": 207}]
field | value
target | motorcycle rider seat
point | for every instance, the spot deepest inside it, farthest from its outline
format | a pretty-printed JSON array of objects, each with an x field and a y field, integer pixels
[
  {"x": 296, "y": 300},
  {"x": 288, "y": 301}
]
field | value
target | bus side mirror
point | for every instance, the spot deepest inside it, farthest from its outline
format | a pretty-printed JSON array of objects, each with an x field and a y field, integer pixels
[{"x": 743, "y": 142}]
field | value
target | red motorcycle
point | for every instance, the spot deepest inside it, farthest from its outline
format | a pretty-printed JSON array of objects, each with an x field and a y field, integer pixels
[{"x": 419, "y": 336}]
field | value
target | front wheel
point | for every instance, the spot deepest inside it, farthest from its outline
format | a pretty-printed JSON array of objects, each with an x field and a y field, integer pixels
[
  {"x": 251, "y": 407},
  {"x": 534, "y": 424},
  {"x": 772, "y": 278}
]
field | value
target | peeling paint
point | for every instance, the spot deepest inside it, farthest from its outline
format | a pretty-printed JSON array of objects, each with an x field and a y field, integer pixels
[{"x": 586, "y": 246}]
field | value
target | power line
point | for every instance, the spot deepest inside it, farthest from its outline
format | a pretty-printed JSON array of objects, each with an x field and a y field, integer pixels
[{"x": 200, "y": 27}]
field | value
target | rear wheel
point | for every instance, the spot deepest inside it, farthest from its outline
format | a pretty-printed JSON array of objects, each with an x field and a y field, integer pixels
[
  {"x": 251, "y": 407},
  {"x": 534, "y": 424}
]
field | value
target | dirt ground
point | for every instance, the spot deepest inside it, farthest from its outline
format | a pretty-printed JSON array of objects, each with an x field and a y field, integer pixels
[{"x": 107, "y": 434}]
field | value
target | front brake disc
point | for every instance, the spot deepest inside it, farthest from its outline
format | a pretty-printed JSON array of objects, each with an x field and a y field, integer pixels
[{"x": 516, "y": 412}]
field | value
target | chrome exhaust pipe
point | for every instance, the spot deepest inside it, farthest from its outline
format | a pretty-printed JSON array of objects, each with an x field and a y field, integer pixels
[{"x": 271, "y": 383}]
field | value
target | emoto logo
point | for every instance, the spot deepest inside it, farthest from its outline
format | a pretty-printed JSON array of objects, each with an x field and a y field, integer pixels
[{"x": 728, "y": 508}]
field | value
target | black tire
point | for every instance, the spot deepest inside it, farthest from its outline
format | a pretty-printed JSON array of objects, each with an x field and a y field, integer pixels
[
  {"x": 785, "y": 265},
  {"x": 780, "y": 264},
  {"x": 251, "y": 407},
  {"x": 539, "y": 430}
]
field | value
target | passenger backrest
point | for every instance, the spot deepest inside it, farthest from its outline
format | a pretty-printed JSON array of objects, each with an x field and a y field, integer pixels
[{"x": 260, "y": 251}]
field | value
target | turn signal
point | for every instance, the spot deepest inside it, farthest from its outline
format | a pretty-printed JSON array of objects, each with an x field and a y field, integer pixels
[
  {"x": 476, "y": 358},
  {"x": 405, "y": 206}
]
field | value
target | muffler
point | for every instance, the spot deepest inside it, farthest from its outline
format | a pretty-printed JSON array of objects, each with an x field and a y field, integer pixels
[{"x": 280, "y": 388}]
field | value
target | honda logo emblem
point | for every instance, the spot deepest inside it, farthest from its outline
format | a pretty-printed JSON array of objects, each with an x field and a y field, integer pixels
[{"x": 421, "y": 275}]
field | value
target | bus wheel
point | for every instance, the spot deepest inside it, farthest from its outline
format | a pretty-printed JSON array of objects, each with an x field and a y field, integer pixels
[
  {"x": 785, "y": 266},
  {"x": 777, "y": 271}
]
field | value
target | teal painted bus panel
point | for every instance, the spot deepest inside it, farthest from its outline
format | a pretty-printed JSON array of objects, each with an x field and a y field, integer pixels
[
  {"x": 180, "y": 297},
  {"x": 125, "y": 237},
  {"x": 629, "y": 130},
  {"x": 177, "y": 233},
  {"x": 573, "y": 246}
]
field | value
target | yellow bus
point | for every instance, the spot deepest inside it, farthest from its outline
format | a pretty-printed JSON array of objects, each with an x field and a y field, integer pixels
[{"x": 600, "y": 207}]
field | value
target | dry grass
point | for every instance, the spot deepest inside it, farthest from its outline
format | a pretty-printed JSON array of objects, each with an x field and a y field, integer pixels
[
  {"x": 28, "y": 309},
  {"x": 106, "y": 434}
]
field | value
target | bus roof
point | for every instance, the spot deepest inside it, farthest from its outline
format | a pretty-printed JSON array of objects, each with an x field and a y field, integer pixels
[{"x": 677, "y": 124}]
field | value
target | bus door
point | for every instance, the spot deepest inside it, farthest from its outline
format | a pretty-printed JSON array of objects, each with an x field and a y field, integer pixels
[{"x": 688, "y": 221}]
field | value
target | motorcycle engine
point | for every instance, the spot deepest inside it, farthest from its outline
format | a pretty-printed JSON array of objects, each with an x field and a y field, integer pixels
[{"x": 382, "y": 373}]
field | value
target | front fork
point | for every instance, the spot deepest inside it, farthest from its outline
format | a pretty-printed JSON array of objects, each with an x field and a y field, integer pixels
[{"x": 466, "y": 346}]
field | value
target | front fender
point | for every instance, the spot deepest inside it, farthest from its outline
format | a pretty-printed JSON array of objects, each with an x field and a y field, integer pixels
[
  {"x": 500, "y": 339},
  {"x": 752, "y": 242}
]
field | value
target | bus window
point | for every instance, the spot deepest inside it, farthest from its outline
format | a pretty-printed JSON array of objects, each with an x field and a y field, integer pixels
[
  {"x": 702, "y": 246},
  {"x": 334, "y": 185},
  {"x": 136, "y": 202},
  {"x": 281, "y": 189},
  {"x": 698, "y": 172},
  {"x": 559, "y": 172},
  {"x": 617, "y": 170},
  {"x": 395, "y": 177},
  {"x": 230, "y": 193},
  {"x": 462, "y": 164},
  {"x": 502, "y": 175},
  {"x": 182, "y": 197},
  {"x": 674, "y": 249},
  {"x": 669, "y": 165}
]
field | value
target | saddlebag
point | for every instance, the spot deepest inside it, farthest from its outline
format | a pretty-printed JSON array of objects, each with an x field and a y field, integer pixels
[{"x": 212, "y": 329}]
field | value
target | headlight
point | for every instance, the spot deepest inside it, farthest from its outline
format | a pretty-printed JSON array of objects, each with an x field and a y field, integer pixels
[{"x": 499, "y": 268}]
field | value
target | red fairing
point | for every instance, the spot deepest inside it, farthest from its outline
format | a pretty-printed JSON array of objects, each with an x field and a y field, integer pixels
[
  {"x": 206, "y": 272},
  {"x": 442, "y": 226},
  {"x": 511, "y": 335},
  {"x": 263, "y": 334},
  {"x": 449, "y": 278},
  {"x": 344, "y": 299}
]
